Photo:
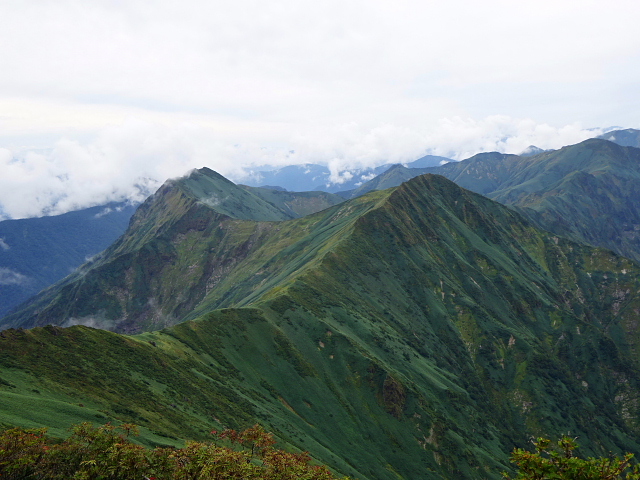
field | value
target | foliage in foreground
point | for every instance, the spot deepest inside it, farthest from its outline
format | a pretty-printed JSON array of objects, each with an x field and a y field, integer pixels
[
  {"x": 558, "y": 462},
  {"x": 105, "y": 453}
]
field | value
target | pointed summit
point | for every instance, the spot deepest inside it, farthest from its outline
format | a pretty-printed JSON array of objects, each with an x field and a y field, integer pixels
[{"x": 531, "y": 150}]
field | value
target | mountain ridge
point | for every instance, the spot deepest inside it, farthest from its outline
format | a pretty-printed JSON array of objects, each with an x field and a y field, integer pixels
[
  {"x": 561, "y": 191},
  {"x": 425, "y": 328},
  {"x": 421, "y": 331},
  {"x": 199, "y": 203}
]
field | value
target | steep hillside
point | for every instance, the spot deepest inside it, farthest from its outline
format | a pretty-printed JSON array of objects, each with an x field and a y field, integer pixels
[
  {"x": 297, "y": 204},
  {"x": 416, "y": 332},
  {"x": 393, "y": 177},
  {"x": 486, "y": 171},
  {"x": 155, "y": 274},
  {"x": 36, "y": 252},
  {"x": 589, "y": 192}
]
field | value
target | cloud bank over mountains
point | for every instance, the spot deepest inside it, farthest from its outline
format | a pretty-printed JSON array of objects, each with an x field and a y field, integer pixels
[
  {"x": 131, "y": 160},
  {"x": 96, "y": 97}
]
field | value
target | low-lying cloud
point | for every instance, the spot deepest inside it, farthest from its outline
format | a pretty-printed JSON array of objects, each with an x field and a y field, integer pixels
[
  {"x": 94, "y": 321},
  {"x": 129, "y": 161},
  {"x": 11, "y": 277}
]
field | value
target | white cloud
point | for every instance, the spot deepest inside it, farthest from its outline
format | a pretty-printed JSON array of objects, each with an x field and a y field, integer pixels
[
  {"x": 103, "y": 212},
  {"x": 337, "y": 176},
  {"x": 126, "y": 162},
  {"x": 287, "y": 61},
  {"x": 3, "y": 245},
  {"x": 93, "y": 321},
  {"x": 461, "y": 138},
  {"x": 366, "y": 178},
  {"x": 11, "y": 277},
  {"x": 212, "y": 201}
]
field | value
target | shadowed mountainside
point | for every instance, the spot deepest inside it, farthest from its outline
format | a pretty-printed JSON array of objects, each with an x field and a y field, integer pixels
[{"x": 36, "y": 252}]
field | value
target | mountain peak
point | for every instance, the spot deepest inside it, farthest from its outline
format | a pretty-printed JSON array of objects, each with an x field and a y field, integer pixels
[{"x": 531, "y": 150}]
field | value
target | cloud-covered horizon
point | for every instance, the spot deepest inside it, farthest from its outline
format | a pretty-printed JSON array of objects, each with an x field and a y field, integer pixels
[
  {"x": 127, "y": 162},
  {"x": 97, "y": 96}
]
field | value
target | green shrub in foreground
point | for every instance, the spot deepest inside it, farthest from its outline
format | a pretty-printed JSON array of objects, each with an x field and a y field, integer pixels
[
  {"x": 106, "y": 453},
  {"x": 559, "y": 462}
]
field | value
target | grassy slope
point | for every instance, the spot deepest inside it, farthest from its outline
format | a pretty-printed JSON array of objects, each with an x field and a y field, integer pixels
[
  {"x": 482, "y": 173},
  {"x": 297, "y": 204},
  {"x": 589, "y": 192},
  {"x": 517, "y": 325},
  {"x": 420, "y": 332},
  {"x": 155, "y": 274}
]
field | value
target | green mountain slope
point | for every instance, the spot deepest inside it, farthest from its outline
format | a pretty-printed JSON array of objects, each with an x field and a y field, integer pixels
[
  {"x": 393, "y": 177},
  {"x": 297, "y": 204},
  {"x": 416, "y": 332},
  {"x": 589, "y": 192},
  {"x": 155, "y": 274},
  {"x": 487, "y": 171}
]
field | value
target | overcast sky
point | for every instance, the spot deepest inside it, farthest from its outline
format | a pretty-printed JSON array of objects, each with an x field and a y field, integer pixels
[{"x": 97, "y": 95}]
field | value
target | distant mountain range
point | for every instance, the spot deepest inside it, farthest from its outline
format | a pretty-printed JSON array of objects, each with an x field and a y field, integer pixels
[
  {"x": 19, "y": 279},
  {"x": 589, "y": 192},
  {"x": 629, "y": 137},
  {"x": 148, "y": 243},
  {"x": 36, "y": 252},
  {"x": 309, "y": 177}
]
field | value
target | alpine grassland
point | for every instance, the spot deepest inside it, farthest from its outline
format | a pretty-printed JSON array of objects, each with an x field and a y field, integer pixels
[
  {"x": 422, "y": 331},
  {"x": 589, "y": 192}
]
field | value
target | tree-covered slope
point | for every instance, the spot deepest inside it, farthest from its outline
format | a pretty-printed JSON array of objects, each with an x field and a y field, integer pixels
[{"x": 416, "y": 332}]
